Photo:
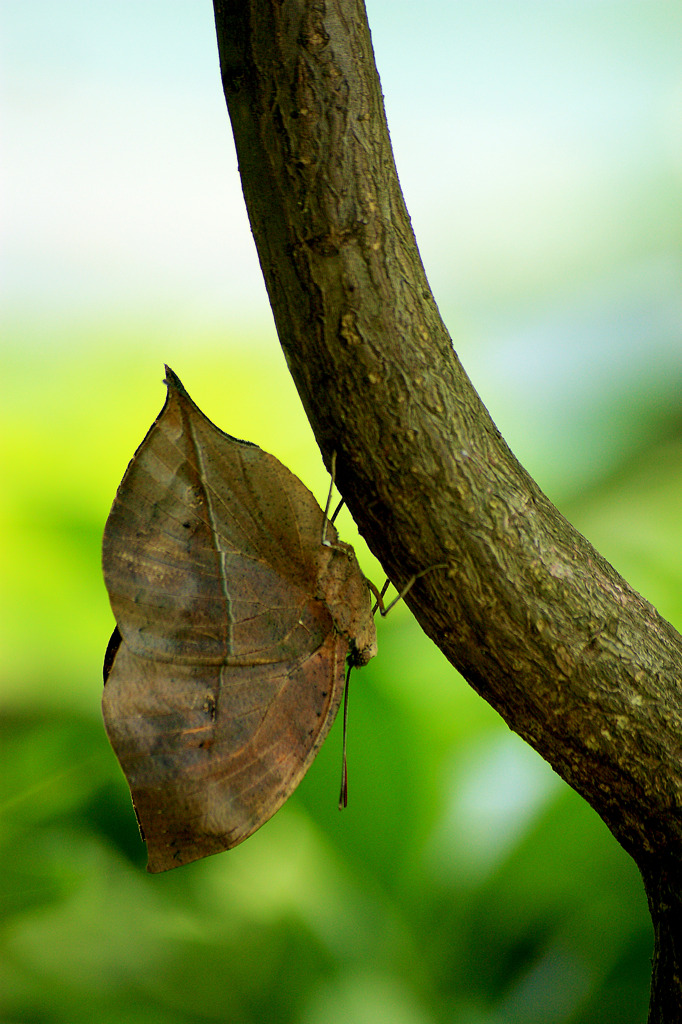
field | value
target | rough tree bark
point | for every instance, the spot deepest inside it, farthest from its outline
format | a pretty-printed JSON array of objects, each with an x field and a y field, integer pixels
[{"x": 541, "y": 626}]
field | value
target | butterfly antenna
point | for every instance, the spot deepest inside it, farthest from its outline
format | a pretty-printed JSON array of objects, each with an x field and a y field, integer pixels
[{"x": 343, "y": 796}]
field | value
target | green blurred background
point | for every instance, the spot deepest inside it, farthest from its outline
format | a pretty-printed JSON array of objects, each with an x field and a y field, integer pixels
[{"x": 540, "y": 150}]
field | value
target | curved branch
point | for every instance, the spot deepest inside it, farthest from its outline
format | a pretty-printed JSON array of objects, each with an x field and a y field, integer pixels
[{"x": 533, "y": 617}]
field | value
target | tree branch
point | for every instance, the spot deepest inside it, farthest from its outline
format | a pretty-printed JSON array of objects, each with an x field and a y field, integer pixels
[{"x": 533, "y": 617}]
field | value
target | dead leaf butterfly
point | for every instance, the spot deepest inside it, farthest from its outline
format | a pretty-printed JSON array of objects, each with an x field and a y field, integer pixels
[{"x": 234, "y": 623}]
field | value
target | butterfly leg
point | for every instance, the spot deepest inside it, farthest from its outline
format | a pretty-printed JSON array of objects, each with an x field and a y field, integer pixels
[
  {"x": 325, "y": 518},
  {"x": 379, "y": 594}
]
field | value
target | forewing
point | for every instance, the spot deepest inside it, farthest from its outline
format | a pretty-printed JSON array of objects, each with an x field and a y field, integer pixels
[{"x": 209, "y": 550}]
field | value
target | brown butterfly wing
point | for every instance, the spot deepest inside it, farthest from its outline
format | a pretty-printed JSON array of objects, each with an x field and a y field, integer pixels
[
  {"x": 211, "y": 755},
  {"x": 230, "y": 668},
  {"x": 210, "y": 550}
]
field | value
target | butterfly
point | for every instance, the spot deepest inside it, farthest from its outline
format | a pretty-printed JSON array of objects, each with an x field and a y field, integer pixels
[{"x": 237, "y": 609}]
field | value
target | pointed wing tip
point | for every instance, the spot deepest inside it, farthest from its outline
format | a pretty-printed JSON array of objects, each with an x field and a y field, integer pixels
[{"x": 172, "y": 381}]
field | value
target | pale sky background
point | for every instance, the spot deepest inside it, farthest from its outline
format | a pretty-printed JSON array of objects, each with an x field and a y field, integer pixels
[{"x": 539, "y": 145}]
